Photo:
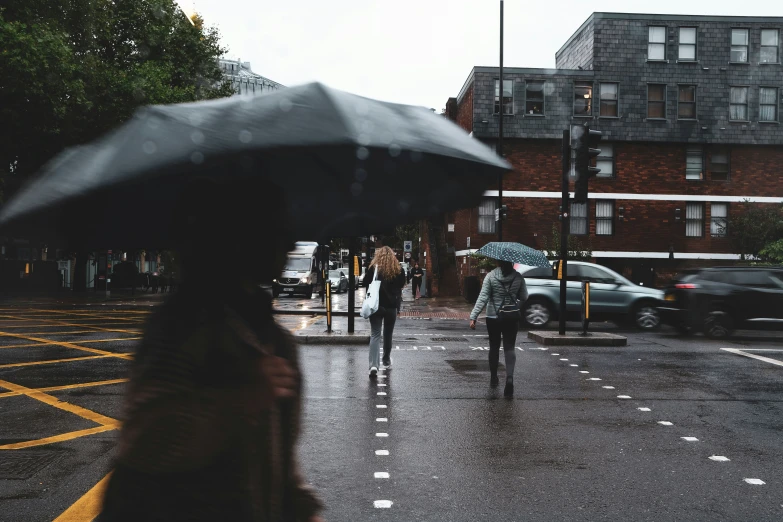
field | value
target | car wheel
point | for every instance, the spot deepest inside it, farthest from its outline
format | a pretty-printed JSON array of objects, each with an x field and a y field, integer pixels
[
  {"x": 536, "y": 313},
  {"x": 646, "y": 317},
  {"x": 717, "y": 324}
]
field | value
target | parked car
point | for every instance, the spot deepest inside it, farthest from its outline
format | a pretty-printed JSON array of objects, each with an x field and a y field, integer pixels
[
  {"x": 338, "y": 281},
  {"x": 719, "y": 300},
  {"x": 612, "y": 297}
]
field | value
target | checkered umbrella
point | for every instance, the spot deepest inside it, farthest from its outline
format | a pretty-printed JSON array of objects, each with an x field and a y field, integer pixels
[{"x": 515, "y": 253}]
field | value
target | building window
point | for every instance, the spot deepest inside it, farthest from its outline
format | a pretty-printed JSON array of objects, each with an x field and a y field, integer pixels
[
  {"x": 609, "y": 99},
  {"x": 719, "y": 164},
  {"x": 694, "y": 220},
  {"x": 694, "y": 163},
  {"x": 656, "y": 101},
  {"x": 768, "y": 104},
  {"x": 687, "y": 44},
  {"x": 508, "y": 97},
  {"x": 605, "y": 161},
  {"x": 486, "y": 220},
  {"x": 578, "y": 221},
  {"x": 656, "y": 43},
  {"x": 686, "y": 103},
  {"x": 534, "y": 98},
  {"x": 738, "y": 104},
  {"x": 719, "y": 219},
  {"x": 769, "y": 46},
  {"x": 739, "y": 45},
  {"x": 604, "y": 218},
  {"x": 583, "y": 99}
]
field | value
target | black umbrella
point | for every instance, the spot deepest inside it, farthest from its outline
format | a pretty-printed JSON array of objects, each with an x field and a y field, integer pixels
[{"x": 347, "y": 165}]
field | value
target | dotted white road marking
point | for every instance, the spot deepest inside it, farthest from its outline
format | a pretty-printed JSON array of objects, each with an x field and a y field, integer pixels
[
  {"x": 563, "y": 359},
  {"x": 690, "y": 439},
  {"x": 592, "y": 379},
  {"x": 381, "y": 406},
  {"x": 583, "y": 371},
  {"x": 381, "y": 434},
  {"x": 381, "y": 393},
  {"x": 381, "y": 475},
  {"x": 381, "y": 419},
  {"x": 382, "y": 504},
  {"x": 665, "y": 423},
  {"x": 719, "y": 458},
  {"x": 555, "y": 354},
  {"x": 574, "y": 365},
  {"x": 381, "y": 453},
  {"x": 754, "y": 481},
  {"x": 644, "y": 409},
  {"x": 381, "y": 385},
  {"x": 623, "y": 396},
  {"x": 608, "y": 387}
]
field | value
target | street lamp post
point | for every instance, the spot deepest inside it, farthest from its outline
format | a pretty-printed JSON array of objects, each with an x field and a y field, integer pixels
[{"x": 500, "y": 130}]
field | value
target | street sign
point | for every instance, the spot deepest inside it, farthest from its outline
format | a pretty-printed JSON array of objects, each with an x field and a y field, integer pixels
[
  {"x": 451, "y": 227},
  {"x": 408, "y": 246},
  {"x": 407, "y": 255}
]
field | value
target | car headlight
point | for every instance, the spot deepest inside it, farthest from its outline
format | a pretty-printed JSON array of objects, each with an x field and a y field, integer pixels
[
  {"x": 274, "y": 280},
  {"x": 305, "y": 279}
]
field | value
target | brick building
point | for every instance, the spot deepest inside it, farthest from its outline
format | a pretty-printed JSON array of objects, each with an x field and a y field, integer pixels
[{"x": 689, "y": 108}]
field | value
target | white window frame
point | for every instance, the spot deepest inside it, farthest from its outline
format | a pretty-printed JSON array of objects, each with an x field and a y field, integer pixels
[
  {"x": 608, "y": 101},
  {"x": 720, "y": 221},
  {"x": 582, "y": 85},
  {"x": 604, "y": 217},
  {"x": 508, "y": 101},
  {"x": 776, "y": 46},
  {"x": 486, "y": 217},
  {"x": 776, "y": 105},
  {"x": 606, "y": 158},
  {"x": 688, "y": 45},
  {"x": 542, "y": 100},
  {"x": 691, "y": 152},
  {"x": 579, "y": 215},
  {"x": 739, "y": 47},
  {"x": 746, "y": 104},
  {"x": 656, "y": 44},
  {"x": 695, "y": 219}
]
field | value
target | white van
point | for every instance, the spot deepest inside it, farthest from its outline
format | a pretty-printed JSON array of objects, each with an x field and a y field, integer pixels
[{"x": 300, "y": 274}]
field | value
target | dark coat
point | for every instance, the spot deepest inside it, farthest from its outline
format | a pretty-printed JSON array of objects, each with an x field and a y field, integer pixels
[
  {"x": 204, "y": 439},
  {"x": 391, "y": 290}
]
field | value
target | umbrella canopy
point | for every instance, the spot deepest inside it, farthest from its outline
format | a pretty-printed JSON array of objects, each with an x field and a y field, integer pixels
[
  {"x": 515, "y": 253},
  {"x": 346, "y": 165}
]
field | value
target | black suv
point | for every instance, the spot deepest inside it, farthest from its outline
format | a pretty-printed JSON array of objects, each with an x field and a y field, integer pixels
[{"x": 720, "y": 300}]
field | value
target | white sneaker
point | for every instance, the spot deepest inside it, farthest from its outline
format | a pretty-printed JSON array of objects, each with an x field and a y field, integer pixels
[{"x": 373, "y": 372}]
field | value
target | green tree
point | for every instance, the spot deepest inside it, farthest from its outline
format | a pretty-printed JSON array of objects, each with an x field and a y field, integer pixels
[
  {"x": 71, "y": 70},
  {"x": 754, "y": 227},
  {"x": 773, "y": 252},
  {"x": 576, "y": 250}
]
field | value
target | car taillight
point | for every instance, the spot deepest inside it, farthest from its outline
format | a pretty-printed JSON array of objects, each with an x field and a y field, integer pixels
[{"x": 686, "y": 286}]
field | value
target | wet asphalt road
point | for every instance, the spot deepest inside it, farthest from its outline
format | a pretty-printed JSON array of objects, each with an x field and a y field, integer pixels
[{"x": 565, "y": 448}]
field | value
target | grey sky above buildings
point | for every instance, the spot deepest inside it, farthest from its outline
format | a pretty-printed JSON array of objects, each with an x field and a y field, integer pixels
[{"x": 415, "y": 51}]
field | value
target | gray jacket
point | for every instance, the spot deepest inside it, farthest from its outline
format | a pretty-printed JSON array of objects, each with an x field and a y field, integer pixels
[{"x": 493, "y": 293}]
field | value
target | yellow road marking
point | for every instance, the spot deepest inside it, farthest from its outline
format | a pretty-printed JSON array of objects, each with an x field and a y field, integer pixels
[
  {"x": 58, "y": 438},
  {"x": 89, "y": 506},
  {"x": 54, "y": 361},
  {"x": 66, "y": 345},
  {"x": 98, "y": 328},
  {"x": 62, "y": 405},
  {"x": 48, "y": 343},
  {"x": 53, "y": 325},
  {"x": 64, "y": 387}
]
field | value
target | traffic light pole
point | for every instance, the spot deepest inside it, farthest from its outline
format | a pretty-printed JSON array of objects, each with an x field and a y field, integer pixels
[
  {"x": 564, "y": 229},
  {"x": 500, "y": 130},
  {"x": 351, "y": 284}
]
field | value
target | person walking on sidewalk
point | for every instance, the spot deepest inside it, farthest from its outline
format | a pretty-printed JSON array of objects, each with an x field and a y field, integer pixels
[
  {"x": 417, "y": 275},
  {"x": 502, "y": 286},
  {"x": 392, "y": 280}
]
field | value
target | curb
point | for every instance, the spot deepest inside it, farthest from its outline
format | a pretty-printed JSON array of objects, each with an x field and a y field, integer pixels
[
  {"x": 553, "y": 338},
  {"x": 334, "y": 338}
]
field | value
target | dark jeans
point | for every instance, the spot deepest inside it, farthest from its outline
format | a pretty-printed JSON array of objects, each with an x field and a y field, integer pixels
[
  {"x": 415, "y": 285},
  {"x": 508, "y": 330},
  {"x": 384, "y": 319}
]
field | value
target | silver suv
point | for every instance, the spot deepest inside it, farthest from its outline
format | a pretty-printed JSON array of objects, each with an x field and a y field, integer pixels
[{"x": 612, "y": 296}]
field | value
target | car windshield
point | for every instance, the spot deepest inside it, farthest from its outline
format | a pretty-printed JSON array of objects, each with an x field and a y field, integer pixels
[
  {"x": 299, "y": 264},
  {"x": 334, "y": 274}
]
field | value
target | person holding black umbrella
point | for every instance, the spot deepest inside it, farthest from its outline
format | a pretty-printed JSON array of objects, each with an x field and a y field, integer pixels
[
  {"x": 502, "y": 293},
  {"x": 213, "y": 403}
]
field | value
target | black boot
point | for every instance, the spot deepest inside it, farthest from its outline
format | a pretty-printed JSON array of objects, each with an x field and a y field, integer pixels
[
  {"x": 493, "y": 381},
  {"x": 508, "y": 391}
]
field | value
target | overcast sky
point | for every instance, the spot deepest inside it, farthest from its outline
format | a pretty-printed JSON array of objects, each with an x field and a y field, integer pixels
[{"x": 415, "y": 51}]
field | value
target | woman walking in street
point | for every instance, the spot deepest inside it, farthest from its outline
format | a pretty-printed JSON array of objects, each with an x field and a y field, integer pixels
[
  {"x": 503, "y": 286},
  {"x": 392, "y": 280},
  {"x": 417, "y": 274}
]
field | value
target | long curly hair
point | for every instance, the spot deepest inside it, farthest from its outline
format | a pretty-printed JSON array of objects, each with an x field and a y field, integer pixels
[{"x": 385, "y": 262}]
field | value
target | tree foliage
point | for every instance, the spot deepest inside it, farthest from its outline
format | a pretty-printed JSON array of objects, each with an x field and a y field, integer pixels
[
  {"x": 71, "y": 70},
  {"x": 755, "y": 227},
  {"x": 576, "y": 250}
]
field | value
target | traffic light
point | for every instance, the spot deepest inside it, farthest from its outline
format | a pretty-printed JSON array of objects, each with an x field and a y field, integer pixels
[
  {"x": 503, "y": 212},
  {"x": 586, "y": 150}
]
